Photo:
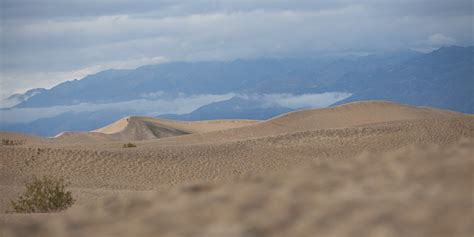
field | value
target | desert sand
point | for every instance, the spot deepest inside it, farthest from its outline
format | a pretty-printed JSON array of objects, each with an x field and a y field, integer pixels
[
  {"x": 142, "y": 128},
  {"x": 360, "y": 169}
]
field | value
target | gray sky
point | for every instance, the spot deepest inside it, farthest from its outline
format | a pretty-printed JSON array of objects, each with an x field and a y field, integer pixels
[{"x": 44, "y": 42}]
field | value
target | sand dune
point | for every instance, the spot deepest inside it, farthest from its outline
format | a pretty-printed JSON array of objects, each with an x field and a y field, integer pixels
[
  {"x": 343, "y": 116},
  {"x": 219, "y": 154},
  {"x": 136, "y": 128},
  {"x": 187, "y": 127}
]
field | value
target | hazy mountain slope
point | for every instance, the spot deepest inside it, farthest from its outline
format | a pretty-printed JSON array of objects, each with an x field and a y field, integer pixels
[
  {"x": 102, "y": 87},
  {"x": 442, "y": 79},
  {"x": 286, "y": 75},
  {"x": 19, "y": 98}
]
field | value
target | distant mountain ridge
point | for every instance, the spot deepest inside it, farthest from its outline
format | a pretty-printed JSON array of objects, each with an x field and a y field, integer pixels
[
  {"x": 287, "y": 75},
  {"x": 442, "y": 79}
]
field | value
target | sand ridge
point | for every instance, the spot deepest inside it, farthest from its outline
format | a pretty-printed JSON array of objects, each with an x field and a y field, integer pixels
[
  {"x": 263, "y": 150},
  {"x": 342, "y": 116},
  {"x": 136, "y": 128},
  {"x": 185, "y": 126}
]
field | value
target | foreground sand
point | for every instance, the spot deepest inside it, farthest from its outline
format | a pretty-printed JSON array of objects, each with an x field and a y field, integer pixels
[
  {"x": 422, "y": 191},
  {"x": 333, "y": 172}
]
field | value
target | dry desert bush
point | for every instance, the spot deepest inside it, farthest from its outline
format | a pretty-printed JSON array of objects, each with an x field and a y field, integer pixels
[
  {"x": 46, "y": 194},
  {"x": 129, "y": 145}
]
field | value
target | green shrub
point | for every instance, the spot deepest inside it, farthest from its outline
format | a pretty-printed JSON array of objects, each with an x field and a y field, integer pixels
[
  {"x": 129, "y": 145},
  {"x": 47, "y": 194}
]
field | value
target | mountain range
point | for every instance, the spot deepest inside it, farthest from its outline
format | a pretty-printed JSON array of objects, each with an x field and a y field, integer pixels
[{"x": 443, "y": 78}]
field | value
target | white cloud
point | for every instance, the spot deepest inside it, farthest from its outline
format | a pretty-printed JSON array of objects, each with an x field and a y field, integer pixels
[
  {"x": 298, "y": 101},
  {"x": 440, "y": 40},
  {"x": 305, "y": 100},
  {"x": 153, "y": 95}
]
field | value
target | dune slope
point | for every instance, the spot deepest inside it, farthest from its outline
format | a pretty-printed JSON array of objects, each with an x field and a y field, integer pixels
[
  {"x": 343, "y": 116},
  {"x": 416, "y": 191},
  {"x": 136, "y": 128}
]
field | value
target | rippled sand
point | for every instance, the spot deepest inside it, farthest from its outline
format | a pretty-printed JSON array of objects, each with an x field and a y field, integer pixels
[{"x": 362, "y": 169}]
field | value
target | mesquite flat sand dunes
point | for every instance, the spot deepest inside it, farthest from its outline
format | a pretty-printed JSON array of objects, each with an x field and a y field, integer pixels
[{"x": 360, "y": 169}]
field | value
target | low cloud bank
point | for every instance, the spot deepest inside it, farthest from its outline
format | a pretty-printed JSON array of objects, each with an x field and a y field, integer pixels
[
  {"x": 180, "y": 105},
  {"x": 299, "y": 101},
  {"x": 9, "y": 102}
]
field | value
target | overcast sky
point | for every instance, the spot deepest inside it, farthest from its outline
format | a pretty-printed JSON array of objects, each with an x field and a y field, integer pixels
[{"x": 44, "y": 42}]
